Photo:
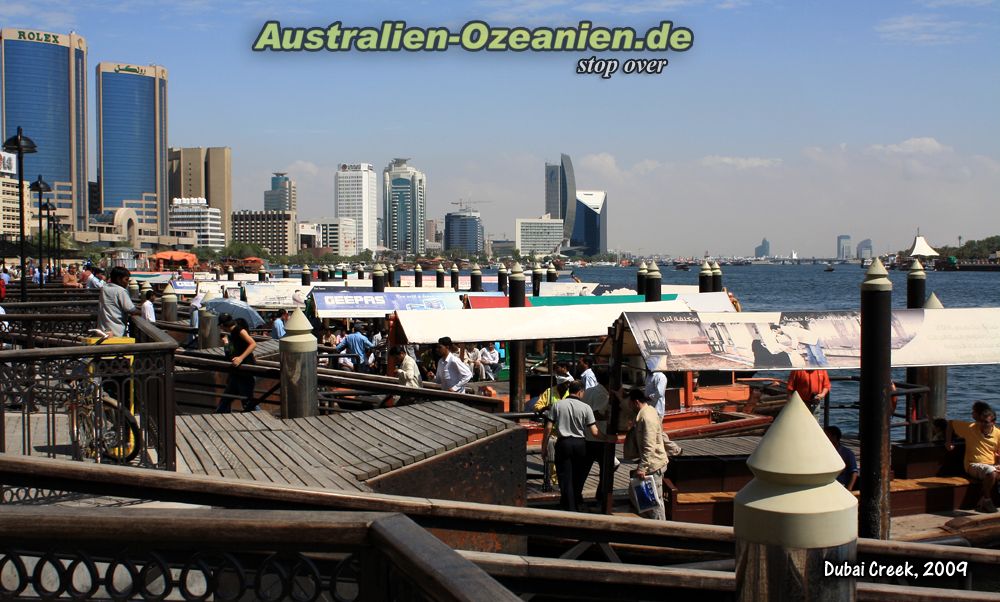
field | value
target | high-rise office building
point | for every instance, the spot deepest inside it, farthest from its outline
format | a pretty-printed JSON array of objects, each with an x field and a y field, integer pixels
[
  {"x": 10, "y": 205},
  {"x": 864, "y": 250},
  {"x": 339, "y": 234},
  {"x": 281, "y": 196},
  {"x": 538, "y": 235},
  {"x": 204, "y": 173},
  {"x": 590, "y": 230},
  {"x": 132, "y": 142},
  {"x": 844, "y": 246},
  {"x": 405, "y": 195},
  {"x": 763, "y": 249},
  {"x": 431, "y": 230},
  {"x": 463, "y": 231},
  {"x": 44, "y": 91},
  {"x": 276, "y": 231},
  {"x": 356, "y": 197},
  {"x": 195, "y": 217},
  {"x": 560, "y": 194}
]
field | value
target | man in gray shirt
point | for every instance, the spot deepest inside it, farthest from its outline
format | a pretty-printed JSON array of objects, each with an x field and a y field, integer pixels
[
  {"x": 114, "y": 304},
  {"x": 571, "y": 419}
]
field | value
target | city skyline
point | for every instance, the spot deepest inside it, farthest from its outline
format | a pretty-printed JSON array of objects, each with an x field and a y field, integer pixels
[{"x": 803, "y": 123}]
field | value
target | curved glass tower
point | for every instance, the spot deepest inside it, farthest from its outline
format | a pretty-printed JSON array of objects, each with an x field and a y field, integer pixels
[
  {"x": 44, "y": 91},
  {"x": 132, "y": 142}
]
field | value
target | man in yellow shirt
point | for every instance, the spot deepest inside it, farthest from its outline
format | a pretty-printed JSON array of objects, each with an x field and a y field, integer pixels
[{"x": 982, "y": 451}]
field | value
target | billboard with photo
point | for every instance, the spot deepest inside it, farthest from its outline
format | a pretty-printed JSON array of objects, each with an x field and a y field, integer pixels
[{"x": 276, "y": 295}]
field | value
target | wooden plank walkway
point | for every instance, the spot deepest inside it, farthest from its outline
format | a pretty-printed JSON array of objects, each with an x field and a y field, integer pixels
[
  {"x": 37, "y": 434},
  {"x": 338, "y": 451},
  {"x": 739, "y": 446}
]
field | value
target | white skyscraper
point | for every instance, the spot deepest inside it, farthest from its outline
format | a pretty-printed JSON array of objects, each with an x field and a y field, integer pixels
[{"x": 356, "y": 197}]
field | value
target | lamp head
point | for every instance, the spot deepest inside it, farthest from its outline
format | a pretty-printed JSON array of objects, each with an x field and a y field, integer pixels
[
  {"x": 20, "y": 144},
  {"x": 40, "y": 185}
]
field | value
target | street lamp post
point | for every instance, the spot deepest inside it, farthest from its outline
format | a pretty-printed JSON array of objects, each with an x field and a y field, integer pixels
[
  {"x": 58, "y": 235},
  {"x": 21, "y": 145},
  {"x": 41, "y": 186}
]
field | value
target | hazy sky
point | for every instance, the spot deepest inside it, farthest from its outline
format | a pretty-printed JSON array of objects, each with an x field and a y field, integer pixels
[{"x": 795, "y": 120}]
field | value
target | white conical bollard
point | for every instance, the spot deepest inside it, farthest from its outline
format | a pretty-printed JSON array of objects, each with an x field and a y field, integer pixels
[
  {"x": 298, "y": 356},
  {"x": 794, "y": 516}
]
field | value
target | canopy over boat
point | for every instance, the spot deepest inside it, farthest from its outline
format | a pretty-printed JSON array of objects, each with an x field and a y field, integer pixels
[{"x": 921, "y": 248}]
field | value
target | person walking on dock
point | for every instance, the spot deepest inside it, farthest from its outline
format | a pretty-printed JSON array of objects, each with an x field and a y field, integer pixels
[
  {"x": 148, "y": 311},
  {"x": 652, "y": 447},
  {"x": 812, "y": 386},
  {"x": 278, "y": 326},
  {"x": 452, "y": 373},
  {"x": 982, "y": 452},
  {"x": 571, "y": 419},
  {"x": 114, "y": 305},
  {"x": 357, "y": 345},
  {"x": 656, "y": 391},
  {"x": 239, "y": 346}
]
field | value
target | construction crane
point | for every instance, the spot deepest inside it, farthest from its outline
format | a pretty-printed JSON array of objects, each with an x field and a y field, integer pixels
[{"x": 467, "y": 204}]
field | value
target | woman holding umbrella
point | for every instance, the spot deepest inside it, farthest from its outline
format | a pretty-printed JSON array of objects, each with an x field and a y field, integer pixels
[{"x": 239, "y": 346}]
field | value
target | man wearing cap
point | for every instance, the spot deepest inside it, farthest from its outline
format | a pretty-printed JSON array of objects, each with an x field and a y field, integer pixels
[{"x": 452, "y": 373}]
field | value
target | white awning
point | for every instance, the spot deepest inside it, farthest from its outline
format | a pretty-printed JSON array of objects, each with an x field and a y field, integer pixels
[{"x": 920, "y": 248}]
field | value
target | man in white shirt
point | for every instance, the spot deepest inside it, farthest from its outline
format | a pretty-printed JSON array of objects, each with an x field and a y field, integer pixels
[
  {"x": 114, "y": 304},
  {"x": 95, "y": 279},
  {"x": 656, "y": 391},
  {"x": 452, "y": 373},
  {"x": 489, "y": 357},
  {"x": 587, "y": 376},
  {"x": 148, "y": 311}
]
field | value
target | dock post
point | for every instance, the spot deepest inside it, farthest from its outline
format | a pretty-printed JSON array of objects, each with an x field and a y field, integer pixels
[
  {"x": 716, "y": 277},
  {"x": 640, "y": 279},
  {"x": 418, "y": 276},
  {"x": 230, "y": 273},
  {"x": 517, "y": 383},
  {"x": 378, "y": 279},
  {"x": 934, "y": 378},
  {"x": 439, "y": 276},
  {"x": 324, "y": 275},
  {"x": 261, "y": 274},
  {"x": 551, "y": 275},
  {"x": 168, "y": 304},
  {"x": 536, "y": 280},
  {"x": 794, "y": 517},
  {"x": 133, "y": 289},
  {"x": 208, "y": 325},
  {"x": 476, "y": 279},
  {"x": 705, "y": 278},
  {"x": 390, "y": 275},
  {"x": 502, "y": 279},
  {"x": 653, "y": 283},
  {"x": 297, "y": 350},
  {"x": 916, "y": 293},
  {"x": 284, "y": 272},
  {"x": 454, "y": 276},
  {"x": 306, "y": 275},
  {"x": 217, "y": 272},
  {"x": 874, "y": 393}
]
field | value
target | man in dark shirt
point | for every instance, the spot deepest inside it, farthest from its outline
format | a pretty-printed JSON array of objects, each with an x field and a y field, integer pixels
[{"x": 849, "y": 476}]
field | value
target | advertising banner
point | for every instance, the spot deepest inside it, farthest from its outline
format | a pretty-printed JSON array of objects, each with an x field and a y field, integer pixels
[
  {"x": 8, "y": 164},
  {"x": 334, "y": 303},
  {"x": 184, "y": 287},
  {"x": 276, "y": 295},
  {"x": 803, "y": 340}
]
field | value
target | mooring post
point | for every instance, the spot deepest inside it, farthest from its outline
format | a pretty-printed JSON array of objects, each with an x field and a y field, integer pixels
[
  {"x": 439, "y": 276},
  {"x": 208, "y": 324},
  {"x": 517, "y": 359},
  {"x": 378, "y": 279},
  {"x": 168, "y": 304},
  {"x": 916, "y": 293},
  {"x": 502, "y": 279},
  {"x": 418, "y": 276},
  {"x": 133, "y": 289},
  {"x": 536, "y": 280},
  {"x": 217, "y": 272},
  {"x": 934, "y": 378},
  {"x": 476, "y": 279},
  {"x": 324, "y": 276},
  {"x": 794, "y": 518},
  {"x": 640, "y": 279},
  {"x": 361, "y": 272},
  {"x": 298, "y": 355},
  {"x": 716, "y": 277},
  {"x": 705, "y": 278},
  {"x": 390, "y": 275},
  {"x": 261, "y": 274},
  {"x": 230, "y": 273},
  {"x": 285, "y": 273},
  {"x": 454, "y": 276},
  {"x": 306, "y": 275},
  {"x": 551, "y": 275},
  {"x": 874, "y": 393},
  {"x": 653, "y": 283}
]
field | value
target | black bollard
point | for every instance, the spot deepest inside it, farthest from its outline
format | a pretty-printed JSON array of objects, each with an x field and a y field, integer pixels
[
  {"x": 390, "y": 275},
  {"x": 418, "y": 276},
  {"x": 716, "y": 277},
  {"x": 324, "y": 273},
  {"x": 502, "y": 279},
  {"x": 306, "y": 275},
  {"x": 874, "y": 394},
  {"x": 454, "y": 276},
  {"x": 705, "y": 278},
  {"x": 916, "y": 292},
  {"x": 640, "y": 279},
  {"x": 261, "y": 274},
  {"x": 378, "y": 279},
  {"x": 361, "y": 272},
  {"x": 218, "y": 273},
  {"x": 439, "y": 274},
  {"x": 653, "y": 283},
  {"x": 230, "y": 273},
  {"x": 551, "y": 275},
  {"x": 536, "y": 280},
  {"x": 476, "y": 278},
  {"x": 284, "y": 272},
  {"x": 516, "y": 348}
]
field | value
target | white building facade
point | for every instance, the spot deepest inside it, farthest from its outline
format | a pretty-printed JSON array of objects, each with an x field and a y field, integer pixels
[
  {"x": 538, "y": 235},
  {"x": 339, "y": 234},
  {"x": 355, "y": 196},
  {"x": 193, "y": 215}
]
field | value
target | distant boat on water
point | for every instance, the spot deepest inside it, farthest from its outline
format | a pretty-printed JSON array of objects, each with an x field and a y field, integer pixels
[{"x": 828, "y": 268}]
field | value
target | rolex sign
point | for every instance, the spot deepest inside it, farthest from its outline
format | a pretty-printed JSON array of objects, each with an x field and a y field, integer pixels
[{"x": 7, "y": 163}]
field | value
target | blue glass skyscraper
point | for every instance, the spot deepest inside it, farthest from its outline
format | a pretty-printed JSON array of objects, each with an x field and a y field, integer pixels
[
  {"x": 44, "y": 91},
  {"x": 132, "y": 142},
  {"x": 463, "y": 231}
]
